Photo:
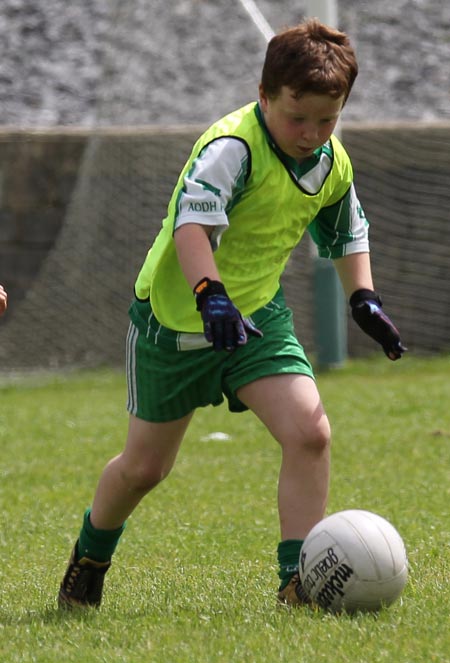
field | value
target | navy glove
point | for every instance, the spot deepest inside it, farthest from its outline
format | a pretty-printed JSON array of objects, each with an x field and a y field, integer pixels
[
  {"x": 368, "y": 314},
  {"x": 223, "y": 325}
]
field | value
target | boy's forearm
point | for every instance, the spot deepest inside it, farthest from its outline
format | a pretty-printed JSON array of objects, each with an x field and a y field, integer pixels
[
  {"x": 354, "y": 272},
  {"x": 195, "y": 253}
]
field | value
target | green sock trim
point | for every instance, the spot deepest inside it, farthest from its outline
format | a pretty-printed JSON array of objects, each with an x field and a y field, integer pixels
[
  {"x": 288, "y": 552},
  {"x": 97, "y": 544}
]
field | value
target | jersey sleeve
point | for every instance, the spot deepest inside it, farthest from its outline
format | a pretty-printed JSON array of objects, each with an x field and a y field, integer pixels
[
  {"x": 212, "y": 185},
  {"x": 341, "y": 228}
]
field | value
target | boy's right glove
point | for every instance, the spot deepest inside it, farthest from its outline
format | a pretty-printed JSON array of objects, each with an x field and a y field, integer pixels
[
  {"x": 368, "y": 314},
  {"x": 223, "y": 325}
]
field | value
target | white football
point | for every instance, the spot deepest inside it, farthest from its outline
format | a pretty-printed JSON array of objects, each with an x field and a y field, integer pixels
[{"x": 353, "y": 560}]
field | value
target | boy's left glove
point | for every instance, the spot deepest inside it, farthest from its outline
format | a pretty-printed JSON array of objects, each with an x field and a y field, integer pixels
[
  {"x": 223, "y": 324},
  {"x": 368, "y": 314}
]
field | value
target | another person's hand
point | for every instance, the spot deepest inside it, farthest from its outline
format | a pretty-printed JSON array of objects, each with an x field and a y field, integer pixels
[
  {"x": 3, "y": 300},
  {"x": 223, "y": 325},
  {"x": 367, "y": 312}
]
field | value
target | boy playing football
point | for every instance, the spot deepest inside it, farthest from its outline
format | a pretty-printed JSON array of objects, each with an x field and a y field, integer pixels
[{"x": 209, "y": 318}]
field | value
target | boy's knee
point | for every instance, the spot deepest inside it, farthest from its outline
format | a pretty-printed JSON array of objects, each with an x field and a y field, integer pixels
[
  {"x": 319, "y": 437},
  {"x": 143, "y": 478},
  {"x": 313, "y": 437}
]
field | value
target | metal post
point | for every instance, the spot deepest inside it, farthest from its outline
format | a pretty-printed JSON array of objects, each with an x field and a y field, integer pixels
[
  {"x": 330, "y": 309},
  {"x": 324, "y": 10}
]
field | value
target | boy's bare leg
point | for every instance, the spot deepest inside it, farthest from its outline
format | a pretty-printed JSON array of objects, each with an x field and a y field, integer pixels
[
  {"x": 148, "y": 457},
  {"x": 290, "y": 406}
]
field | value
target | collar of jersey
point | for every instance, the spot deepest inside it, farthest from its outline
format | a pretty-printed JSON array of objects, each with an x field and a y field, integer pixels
[{"x": 298, "y": 169}]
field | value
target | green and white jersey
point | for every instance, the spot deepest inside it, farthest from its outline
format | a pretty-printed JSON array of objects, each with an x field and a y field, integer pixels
[{"x": 258, "y": 202}]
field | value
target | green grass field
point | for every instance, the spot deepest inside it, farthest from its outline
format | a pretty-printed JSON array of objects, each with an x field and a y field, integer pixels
[{"x": 194, "y": 577}]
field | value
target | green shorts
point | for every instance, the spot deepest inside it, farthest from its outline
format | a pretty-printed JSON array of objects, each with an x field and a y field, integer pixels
[{"x": 171, "y": 374}]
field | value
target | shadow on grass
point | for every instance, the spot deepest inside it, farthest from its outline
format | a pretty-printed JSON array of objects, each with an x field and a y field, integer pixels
[{"x": 48, "y": 615}]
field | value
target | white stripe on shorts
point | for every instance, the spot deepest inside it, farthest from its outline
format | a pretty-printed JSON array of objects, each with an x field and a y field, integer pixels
[{"x": 132, "y": 338}]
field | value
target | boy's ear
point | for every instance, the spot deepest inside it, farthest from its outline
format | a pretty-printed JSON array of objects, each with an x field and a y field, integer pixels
[{"x": 262, "y": 97}]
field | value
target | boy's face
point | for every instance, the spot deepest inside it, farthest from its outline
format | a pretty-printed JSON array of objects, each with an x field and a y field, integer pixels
[{"x": 299, "y": 126}]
